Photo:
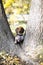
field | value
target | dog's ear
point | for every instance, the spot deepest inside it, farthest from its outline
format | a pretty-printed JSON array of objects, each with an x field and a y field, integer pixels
[{"x": 17, "y": 30}]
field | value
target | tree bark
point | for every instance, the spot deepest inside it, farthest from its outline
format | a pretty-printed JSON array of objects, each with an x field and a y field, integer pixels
[{"x": 6, "y": 37}]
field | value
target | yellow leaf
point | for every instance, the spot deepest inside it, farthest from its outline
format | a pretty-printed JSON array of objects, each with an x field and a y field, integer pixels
[
  {"x": 41, "y": 63},
  {"x": 8, "y": 3},
  {"x": 25, "y": 6}
]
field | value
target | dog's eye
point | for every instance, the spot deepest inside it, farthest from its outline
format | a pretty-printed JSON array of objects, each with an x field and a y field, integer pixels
[{"x": 17, "y": 12}]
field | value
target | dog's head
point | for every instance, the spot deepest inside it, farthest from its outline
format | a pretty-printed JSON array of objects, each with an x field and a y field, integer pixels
[{"x": 20, "y": 30}]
